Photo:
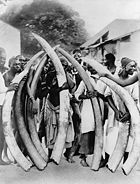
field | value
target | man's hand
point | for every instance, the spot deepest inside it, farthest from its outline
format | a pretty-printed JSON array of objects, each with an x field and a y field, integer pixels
[
  {"x": 64, "y": 86},
  {"x": 13, "y": 87},
  {"x": 125, "y": 117},
  {"x": 118, "y": 115},
  {"x": 93, "y": 94},
  {"x": 24, "y": 78},
  {"x": 35, "y": 107},
  {"x": 73, "y": 99}
]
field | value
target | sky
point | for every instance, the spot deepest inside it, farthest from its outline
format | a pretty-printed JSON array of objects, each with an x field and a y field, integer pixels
[{"x": 97, "y": 13}]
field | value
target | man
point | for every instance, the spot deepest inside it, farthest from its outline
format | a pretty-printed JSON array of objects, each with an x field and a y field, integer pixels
[
  {"x": 15, "y": 68},
  {"x": 76, "y": 117},
  {"x": 87, "y": 123},
  {"x": 3, "y": 91},
  {"x": 109, "y": 113},
  {"x": 2, "y": 60},
  {"x": 128, "y": 68},
  {"x": 102, "y": 89},
  {"x": 110, "y": 62},
  {"x": 22, "y": 61},
  {"x": 48, "y": 88},
  {"x": 116, "y": 112},
  {"x": 77, "y": 55}
]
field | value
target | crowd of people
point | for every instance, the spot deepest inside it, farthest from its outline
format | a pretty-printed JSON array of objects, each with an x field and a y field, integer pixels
[{"x": 81, "y": 121}]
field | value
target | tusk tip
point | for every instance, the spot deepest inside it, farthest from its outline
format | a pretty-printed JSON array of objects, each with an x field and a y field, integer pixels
[{"x": 35, "y": 35}]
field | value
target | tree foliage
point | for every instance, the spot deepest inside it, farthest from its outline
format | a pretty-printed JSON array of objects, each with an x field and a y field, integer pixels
[{"x": 55, "y": 22}]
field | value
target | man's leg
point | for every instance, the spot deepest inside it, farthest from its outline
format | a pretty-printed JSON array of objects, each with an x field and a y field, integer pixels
[
  {"x": 76, "y": 118},
  {"x": 125, "y": 156},
  {"x": 83, "y": 161},
  {"x": 1, "y": 139},
  {"x": 49, "y": 155},
  {"x": 68, "y": 155},
  {"x": 5, "y": 154},
  {"x": 84, "y": 149},
  {"x": 104, "y": 160}
]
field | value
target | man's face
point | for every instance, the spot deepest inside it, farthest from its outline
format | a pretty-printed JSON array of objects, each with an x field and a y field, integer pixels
[
  {"x": 16, "y": 66},
  {"x": 64, "y": 64},
  {"x": 84, "y": 66},
  {"x": 23, "y": 63},
  {"x": 107, "y": 62},
  {"x": 2, "y": 59},
  {"x": 91, "y": 70},
  {"x": 84, "y": 53},
  {"x": 77, "y": 56},
  {"x": 130, "y": 68},
  {"x": 48, "y": 66}
]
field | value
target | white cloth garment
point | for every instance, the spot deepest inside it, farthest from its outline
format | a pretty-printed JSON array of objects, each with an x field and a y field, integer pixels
[
  {"x": 111, "y": 127},
  {"x": 87, "y": 116},
  {"x": 3, "y": 89},
  {"x": 134, "y": 92}
]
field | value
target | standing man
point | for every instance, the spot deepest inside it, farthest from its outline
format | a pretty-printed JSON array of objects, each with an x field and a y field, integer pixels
[
  {"x": 116, "y": 111},
  {"x": 48, "y": 88},
  {"x": 128, "y": 67},
  {"x": 3, "y": 91},
  {"x": 15, "y": 68}
]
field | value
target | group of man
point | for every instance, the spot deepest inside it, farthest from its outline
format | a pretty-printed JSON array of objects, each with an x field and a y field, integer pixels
[
  {"x": 81, "y": 120},
  {"x": 115, "y": 112}
]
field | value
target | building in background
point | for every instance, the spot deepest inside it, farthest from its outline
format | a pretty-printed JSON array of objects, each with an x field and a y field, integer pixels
[
  {"x": 10, "y": 39},
  {"x": 121, "y": 37}
]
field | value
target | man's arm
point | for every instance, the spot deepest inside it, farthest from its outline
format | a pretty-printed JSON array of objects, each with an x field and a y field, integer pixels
[{"x": 118, "y": 114}]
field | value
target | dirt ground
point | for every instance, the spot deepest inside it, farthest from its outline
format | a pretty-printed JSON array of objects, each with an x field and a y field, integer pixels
[{"x": 66, "y": 173}]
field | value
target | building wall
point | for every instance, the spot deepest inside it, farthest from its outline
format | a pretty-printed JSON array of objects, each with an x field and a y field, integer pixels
[
  {"x": 96, "y": 54},
  {"x": 131, "y": 49},
  {"x": 99, "y": 52},
  {"x": 10, "y": 40}
]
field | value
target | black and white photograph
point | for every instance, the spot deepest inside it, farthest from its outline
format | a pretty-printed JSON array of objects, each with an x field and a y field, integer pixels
[{"x": 69, "y": 91}]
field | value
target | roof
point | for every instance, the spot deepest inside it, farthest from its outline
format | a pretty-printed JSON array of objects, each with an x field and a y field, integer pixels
[{"x": 116, "y": 29}]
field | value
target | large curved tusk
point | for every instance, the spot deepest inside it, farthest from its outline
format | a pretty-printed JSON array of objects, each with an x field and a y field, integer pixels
[
  {"x": 6, "y": 118},
  {"x": 134, "y": 112},
  {"x": 98, "y": 120},
  {"x": 31, "y": 121},
  {"x": 120, "y": 147},
  {"x": 8, "y": 133},
  {"x": 64, "y": 101},
  {"x": 35, "y": 156}
]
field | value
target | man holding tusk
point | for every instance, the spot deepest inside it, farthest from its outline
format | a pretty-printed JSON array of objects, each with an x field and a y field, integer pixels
[
  {"x": 3, "y": 90},
  {"x": 50, "y": 90}
]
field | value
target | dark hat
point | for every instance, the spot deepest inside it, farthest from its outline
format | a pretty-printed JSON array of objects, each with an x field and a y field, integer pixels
[
  {"x": 110, "y": 57},
  {"x": 125, "y": 61},
  {"x": 76, "y": 50},
  {"x": 64, "y": 61}
]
